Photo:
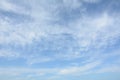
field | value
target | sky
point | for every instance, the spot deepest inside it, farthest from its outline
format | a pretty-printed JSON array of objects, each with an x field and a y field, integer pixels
[{"x": 59, "y": 39}]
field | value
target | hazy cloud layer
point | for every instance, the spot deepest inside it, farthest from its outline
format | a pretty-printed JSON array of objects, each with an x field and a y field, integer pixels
[{"x": 81, "y": 35}]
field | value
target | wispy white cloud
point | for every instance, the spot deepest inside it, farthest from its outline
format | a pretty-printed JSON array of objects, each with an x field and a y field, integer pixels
[
  {"x": 86, "y": 32},
  {"x": 109, "y": 69},
  {"x": 73, "y": 71},
  {"x": 21, "y": 71},
  {"x": 7, "y": 5},
  {"x": 54, "y": 35},
  {"x": 79, "y": 70},
  {"x": 8, "y": 53}
]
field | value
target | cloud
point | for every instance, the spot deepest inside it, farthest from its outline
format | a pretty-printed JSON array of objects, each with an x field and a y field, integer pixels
[
  {"x": 92, "y": 1},
  {"x": 72, "y": 3},
  {"x": 85, "y": 34},
  {"x": 21, "y": 71},
  {"x": 59, "y": 31},
  {"x": 30, "y": 73},
  {"x": 109, "y": 69},
  {"x": 7, "y": 5},
  {"x": 8, "y": 53},
  {"x": 79, "y": 70}
]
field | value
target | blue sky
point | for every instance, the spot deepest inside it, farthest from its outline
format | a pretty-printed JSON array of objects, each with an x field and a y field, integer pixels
[{"x": 59, "y": 40}]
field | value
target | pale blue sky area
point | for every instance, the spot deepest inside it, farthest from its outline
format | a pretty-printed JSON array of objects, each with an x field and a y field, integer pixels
[{"x": 59, "y": 39}]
